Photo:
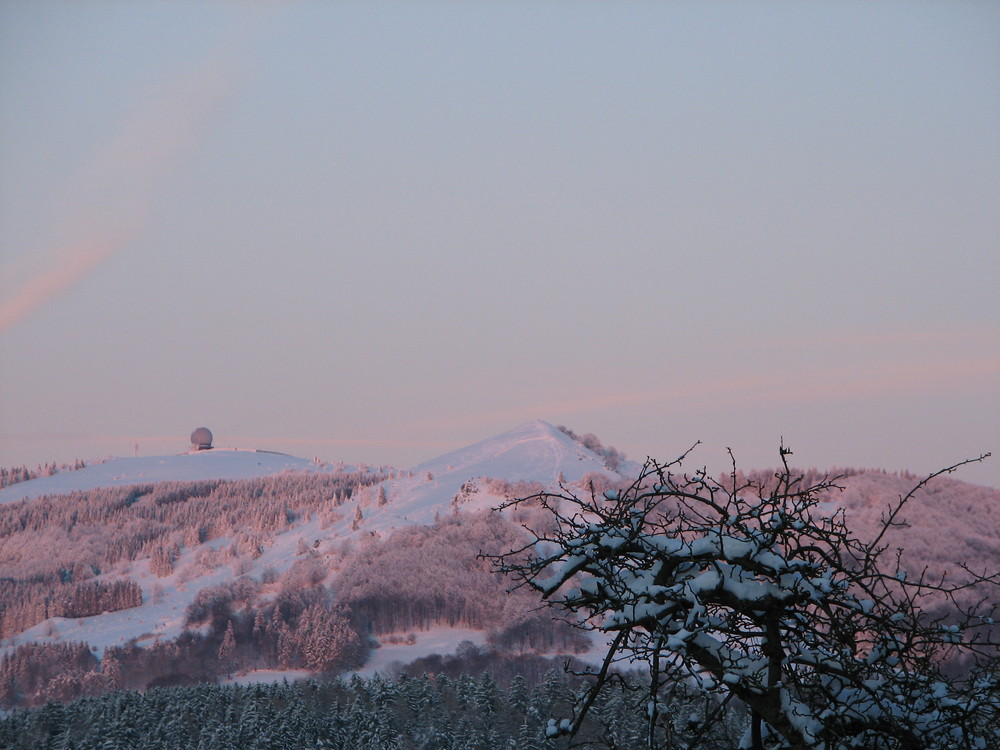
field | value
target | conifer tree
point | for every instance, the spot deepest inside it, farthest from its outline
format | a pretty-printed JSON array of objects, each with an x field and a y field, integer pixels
[{"x": 228, "y": 649}]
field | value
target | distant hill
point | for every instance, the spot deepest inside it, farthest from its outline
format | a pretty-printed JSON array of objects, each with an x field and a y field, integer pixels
[
  {"x": 182, "y": 568},
  {"x": 946, "y": 523},
  {"x": 534, "y": 451},
  {"x": 144, "y": 552}
]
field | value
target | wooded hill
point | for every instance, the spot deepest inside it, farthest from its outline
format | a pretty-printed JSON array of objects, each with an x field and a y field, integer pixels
[{"x": 174, "y": 583}]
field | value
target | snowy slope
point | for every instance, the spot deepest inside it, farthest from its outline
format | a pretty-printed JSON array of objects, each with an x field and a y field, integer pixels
[
  {"x": 532, "y": 452},
  {"x": 199, "y": 465},
  {"x": 536, "y": 451}
]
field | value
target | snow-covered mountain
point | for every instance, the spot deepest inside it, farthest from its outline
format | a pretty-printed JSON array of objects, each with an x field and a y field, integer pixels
[
  {"x": 533, "y": 454},
  {"x": 535, "y": 451},
  {"x": 284, "y": 519}
]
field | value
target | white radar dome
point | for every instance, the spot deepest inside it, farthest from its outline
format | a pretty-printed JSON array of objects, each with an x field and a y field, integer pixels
[{"x": 201, "y": 438}]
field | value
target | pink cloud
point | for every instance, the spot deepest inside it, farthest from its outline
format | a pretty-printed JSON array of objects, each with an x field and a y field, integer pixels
[
  {"x": 111, "y": 200},
  {"x": 72, "y": 264}
]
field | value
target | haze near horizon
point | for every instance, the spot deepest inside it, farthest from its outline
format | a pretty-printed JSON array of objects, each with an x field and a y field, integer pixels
[{"x": 376, "y": 232}]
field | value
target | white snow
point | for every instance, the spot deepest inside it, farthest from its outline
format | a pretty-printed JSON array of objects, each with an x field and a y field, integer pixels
[
  {"x": 535, "y": 452},
  {"x": 198, "y": 465},
  {"x": 440, "y": 640}
]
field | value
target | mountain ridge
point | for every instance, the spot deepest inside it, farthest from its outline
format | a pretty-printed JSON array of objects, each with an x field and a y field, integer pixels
[
  {"x": 532, "y": 451},
  {"x": 296, "y": 524}
]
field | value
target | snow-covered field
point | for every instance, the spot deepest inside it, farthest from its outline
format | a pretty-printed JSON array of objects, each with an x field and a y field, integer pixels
[{"x": 441, "y": 640}]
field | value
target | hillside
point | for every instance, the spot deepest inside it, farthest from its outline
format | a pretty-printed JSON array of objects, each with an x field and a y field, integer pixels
[
  {"x": 946, "y": 523},
  {"x": 185, "y": 532},
  {"x": 181, "y": 568},
  {"x": 185, "y": 467}
]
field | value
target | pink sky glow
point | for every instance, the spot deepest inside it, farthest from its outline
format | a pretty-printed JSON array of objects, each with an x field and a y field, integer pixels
[{"x": 375, "y": 232}]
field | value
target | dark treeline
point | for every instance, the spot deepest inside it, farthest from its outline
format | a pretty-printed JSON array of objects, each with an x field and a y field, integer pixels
[
  {"x": 503, "y": 666},
  {"x": 50, "y": 546},
  {"x": 613, "y": 458},
  {"x": 408, "y": 713}
]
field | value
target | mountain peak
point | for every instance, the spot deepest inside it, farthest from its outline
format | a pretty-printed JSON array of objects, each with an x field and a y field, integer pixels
[{"x": 533, "y": 451}]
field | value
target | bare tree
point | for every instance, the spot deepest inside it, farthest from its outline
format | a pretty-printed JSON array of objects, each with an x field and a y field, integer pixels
[{"x": 758, "y": 593}]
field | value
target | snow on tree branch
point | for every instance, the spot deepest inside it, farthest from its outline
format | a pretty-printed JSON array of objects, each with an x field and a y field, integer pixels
[{"x": 761, "y": 592}]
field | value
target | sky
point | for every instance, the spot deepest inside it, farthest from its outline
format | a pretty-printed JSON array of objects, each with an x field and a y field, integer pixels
[{"x": 378, "y": 231}]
